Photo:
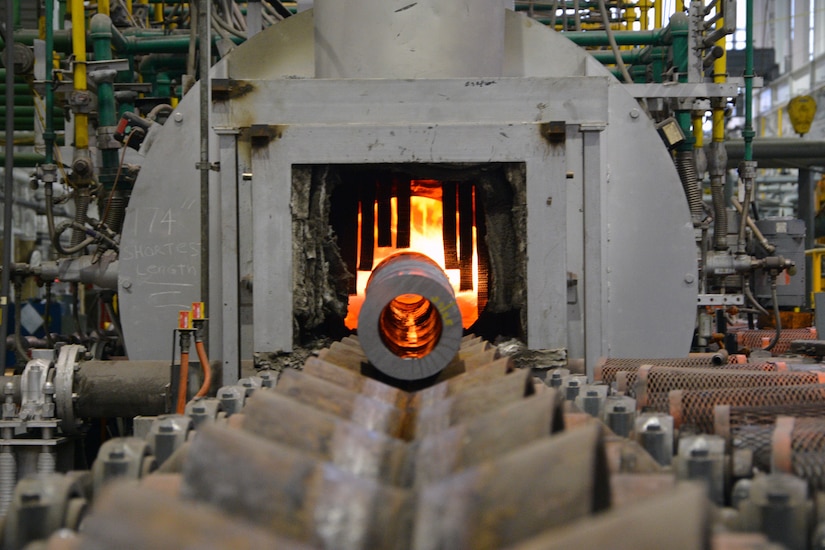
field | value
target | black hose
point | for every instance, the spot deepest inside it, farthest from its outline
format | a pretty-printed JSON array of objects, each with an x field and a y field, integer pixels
[
  {"x": 282, "y": 10},
  {"x": 777, "y": 317},
  {"x": 47, "y": 316}
]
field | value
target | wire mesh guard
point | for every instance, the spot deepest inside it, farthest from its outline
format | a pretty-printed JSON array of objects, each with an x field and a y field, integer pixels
[
  {"x": 751, "y": 427},
  {"x": 607, "y": 370},
  {"x": 697, "y": 410},
  {"x": 653, "y": 383},
  {"x": 758, "y": 339},
  {"x": 798, "y": 447}
]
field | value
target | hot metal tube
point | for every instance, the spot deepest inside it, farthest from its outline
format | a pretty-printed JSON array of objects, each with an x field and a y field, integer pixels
[{"x": 409, "y": 326}]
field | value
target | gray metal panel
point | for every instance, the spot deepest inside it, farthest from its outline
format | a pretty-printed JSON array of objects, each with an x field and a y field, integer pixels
[
  {"x": 595, "y": 240},
  {"x": 402, "y": 39},
  {"x": 272, "y": 242},
  {"x": 439, "y": 101},
  {"x": 547, "y": 250},
  {"x": 229, "y": 305}
]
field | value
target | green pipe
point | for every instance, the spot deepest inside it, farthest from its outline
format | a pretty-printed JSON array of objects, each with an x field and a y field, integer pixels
[
  {"x": 748, "y": 132},
  {"x": 25, "y": 160},
  {"x": 62, "y": 39},
  {"x": 141, "y": 44},
  {"x": 48, "y": 131},
  {"x": 100, "y": 30},
  {"x": 632, "y": 57},
  {"x": 25, "y": 111},
  {"x": 680, "y": 28},
  {"x": 16, "y": 14},
  {"x": 154, "y": 63},
  {"x": 658, "y": 37}
]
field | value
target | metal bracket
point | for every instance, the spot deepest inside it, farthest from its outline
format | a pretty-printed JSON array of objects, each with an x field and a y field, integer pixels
[
  {"x": 63, "y": 386},
  {"x": 721, "y": 300},
  {"x": 214, "y": 166}
]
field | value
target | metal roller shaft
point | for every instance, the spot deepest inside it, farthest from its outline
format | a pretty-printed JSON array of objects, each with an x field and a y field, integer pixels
[{"x": 410, "y": 325}]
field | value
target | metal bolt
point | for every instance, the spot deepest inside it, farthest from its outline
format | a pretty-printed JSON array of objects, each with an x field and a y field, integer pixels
[
  {"x": 689, "y": 278},
  {"x": 178, "y": 116},
  {"x": 549, "y": 201},
  {"x": 634, "y": 113},
  {"x": 126, "y": 283}
]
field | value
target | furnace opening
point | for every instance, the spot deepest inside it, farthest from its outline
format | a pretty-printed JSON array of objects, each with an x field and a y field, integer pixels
[{"x": 469, "y": 219}]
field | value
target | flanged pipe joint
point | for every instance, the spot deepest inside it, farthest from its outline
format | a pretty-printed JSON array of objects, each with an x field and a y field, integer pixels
[{"x": 410, "y": 325}]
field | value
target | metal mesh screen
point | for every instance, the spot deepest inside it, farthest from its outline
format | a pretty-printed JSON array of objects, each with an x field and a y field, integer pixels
[
  {"x": 753, "y": 339},
  {"x": 807, "y": 447},
  {"x": 654, "y": 383},
  {"x": 607, "y": 371},
  {"x": 758, "y": 439},
  {"x": 694, "y": 409}
]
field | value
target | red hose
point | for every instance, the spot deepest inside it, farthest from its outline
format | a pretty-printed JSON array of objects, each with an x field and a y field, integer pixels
[
  {"x": 207, "y": 370},
  {"x": 184, "y": 382}
]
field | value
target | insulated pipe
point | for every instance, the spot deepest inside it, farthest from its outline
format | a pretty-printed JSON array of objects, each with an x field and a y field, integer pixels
[
  {"x": 410, "y": 325},
  {"x": 109, "y": 389}
]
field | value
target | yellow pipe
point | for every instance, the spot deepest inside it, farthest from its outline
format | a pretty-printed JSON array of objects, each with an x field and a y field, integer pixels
[
  {"x": 129, "y": 6},
  {"x": 698, "y": 133},
  {"x": 816, "y": 265},
  {"x": 103, "y": 7},
  {"x": 644, "y": 6},
  {"x": 158, "y": 13},
  {"x": 779, "y": 122},
  {"x": 81, "y": 127},
  {"x": 720, "y": 75},
  {"x": 657, "y": 14}
]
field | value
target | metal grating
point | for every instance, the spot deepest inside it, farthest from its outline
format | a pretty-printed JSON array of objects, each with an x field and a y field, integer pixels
[
  {"x": 798, "y": 447},
  {"x": 654, "y": 383},
  {"x": 754, "y": 339},
  {"x": 607, "y": 370},
  {"x": 695, "y": 409}
]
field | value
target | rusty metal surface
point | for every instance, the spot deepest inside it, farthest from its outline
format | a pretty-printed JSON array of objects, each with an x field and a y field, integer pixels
[
  {"x": 127, "y": 516},
  {"x": 351, "y": 447},
  {"x": 293, "y": 494},
  {"x": 473, "y": 401},
  {"x": 649, "y": 523},
  {"x": 508, "y": 508},
  {"x": 370, "y": 413},
  {"x": 487, "y": 436}
]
